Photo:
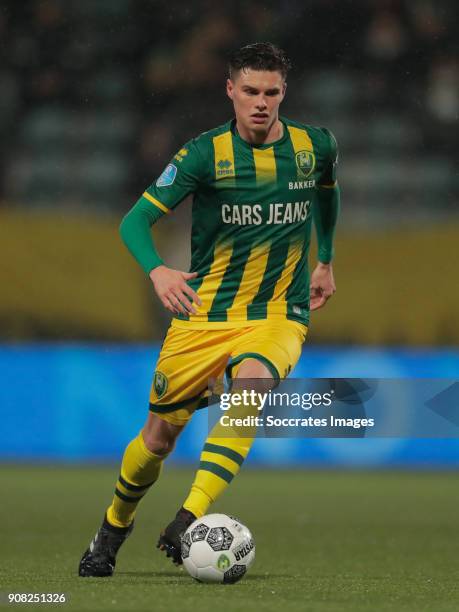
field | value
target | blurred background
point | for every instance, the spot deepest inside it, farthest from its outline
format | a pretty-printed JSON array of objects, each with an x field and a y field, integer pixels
[{"x": 98, "y": 95}]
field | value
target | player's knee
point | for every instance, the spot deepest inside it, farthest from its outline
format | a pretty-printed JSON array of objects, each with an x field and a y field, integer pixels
[
  {"x": 161, "y": 447},
  {"x": 159, "y": 441},
  {"x": 159, "y": 435},
  {"x": 252, "y": 368}
]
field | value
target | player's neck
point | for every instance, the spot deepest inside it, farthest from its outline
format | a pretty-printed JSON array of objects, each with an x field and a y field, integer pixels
[{"x": 274, "y": 133}]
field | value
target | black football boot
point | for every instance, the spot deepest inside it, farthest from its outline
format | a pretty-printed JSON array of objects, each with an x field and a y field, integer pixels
[
  {"x": 99, "y": 559},
  {"x": 170, "y": 539}
]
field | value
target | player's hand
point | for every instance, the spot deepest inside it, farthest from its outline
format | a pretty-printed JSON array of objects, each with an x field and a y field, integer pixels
[
  {"x": 173, "y": 291},
  {"x": 322, "y": 285}
]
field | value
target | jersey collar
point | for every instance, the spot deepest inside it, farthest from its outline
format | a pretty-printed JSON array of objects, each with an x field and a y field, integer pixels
[{"x": 236, "y": 135}]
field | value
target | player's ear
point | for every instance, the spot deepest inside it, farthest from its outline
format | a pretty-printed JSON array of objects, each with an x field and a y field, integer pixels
[
  {"x": 229, "y": 88},
  {"x": 284, "y": 88}
]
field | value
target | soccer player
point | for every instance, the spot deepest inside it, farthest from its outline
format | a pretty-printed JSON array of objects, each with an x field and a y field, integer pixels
[{"x": 243, "y": 309}]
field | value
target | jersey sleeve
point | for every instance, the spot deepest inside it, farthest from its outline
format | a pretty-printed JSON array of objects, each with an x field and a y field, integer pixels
[
  {"x": 328, "y": 176},
  {"x": 179, "y": 178}
]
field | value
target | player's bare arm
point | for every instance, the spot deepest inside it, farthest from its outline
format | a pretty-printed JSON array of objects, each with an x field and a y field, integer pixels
[
  {"x": 172, "y": 289},
  {"x": 322, "y": 285},
  {"x": 171, "y": 286}
]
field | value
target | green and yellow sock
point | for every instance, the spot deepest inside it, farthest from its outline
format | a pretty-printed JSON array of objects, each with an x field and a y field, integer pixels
[
  {"x": 221, "y": 459},
  {"x": 140, "y": 468}
]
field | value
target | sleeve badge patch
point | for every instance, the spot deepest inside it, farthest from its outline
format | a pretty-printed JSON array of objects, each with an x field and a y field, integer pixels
[{"x": 167, "y": 177}]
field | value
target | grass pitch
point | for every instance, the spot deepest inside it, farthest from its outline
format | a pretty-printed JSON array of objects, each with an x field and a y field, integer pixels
[{"x": 326, "y": 541}]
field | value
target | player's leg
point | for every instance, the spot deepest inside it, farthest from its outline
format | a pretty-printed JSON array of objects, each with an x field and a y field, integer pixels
[
  {"x": 226, "y": 448},
  {"x": 267, "y": 352},
  {"x": 220, "y": 461},
  {"x": 172, "y": 402},
  {"x": 188, "y": 361},
  {"x": 140, "y": 468},
  {"x": 262, "y": 354},
  {"x": 205, "y": 355}
]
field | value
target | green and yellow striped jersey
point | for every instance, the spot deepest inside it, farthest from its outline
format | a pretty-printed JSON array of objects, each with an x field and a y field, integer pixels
[{"x": 251, "y": 220}]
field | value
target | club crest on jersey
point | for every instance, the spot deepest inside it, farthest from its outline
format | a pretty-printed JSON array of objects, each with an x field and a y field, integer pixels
[
  {"x": 160, "y": 384},
  {"x": 167, "y": 177},
  {"x": 305, "y": 162}
]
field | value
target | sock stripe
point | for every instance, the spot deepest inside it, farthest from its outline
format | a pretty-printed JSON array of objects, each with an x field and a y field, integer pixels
[
  {"x": 223, "y": 450},
  {"x": 126, "y": 498},
  {"x": 216, "y": 469},
  {"x": 134, "y": 488}
]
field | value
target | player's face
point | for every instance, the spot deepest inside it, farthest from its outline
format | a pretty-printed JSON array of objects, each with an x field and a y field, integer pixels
[{"x": 256, "y": 95}]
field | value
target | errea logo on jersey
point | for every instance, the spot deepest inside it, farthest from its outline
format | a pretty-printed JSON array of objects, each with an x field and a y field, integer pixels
[
  {"x": 181, "y": 154},
  {"x": 224, "y": 168}
]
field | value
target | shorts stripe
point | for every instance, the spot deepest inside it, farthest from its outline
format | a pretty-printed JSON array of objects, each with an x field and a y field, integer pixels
[
  {"x": 176, "y": 405},
  {"x": 216, "y": 469},
  {"x": 271, "y": 367},
  {"x": 226, "y": 452}
]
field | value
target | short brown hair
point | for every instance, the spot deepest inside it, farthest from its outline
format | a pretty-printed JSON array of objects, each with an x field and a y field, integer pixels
[{"x": 259, "y": 56}]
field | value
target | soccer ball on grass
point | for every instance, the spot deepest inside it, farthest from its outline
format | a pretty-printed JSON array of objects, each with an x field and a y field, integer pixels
[{"x": 217, "y": 548}]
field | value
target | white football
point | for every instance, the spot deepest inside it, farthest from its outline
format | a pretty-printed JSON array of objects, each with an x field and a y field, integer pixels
[{"x": 217, "y": 548}]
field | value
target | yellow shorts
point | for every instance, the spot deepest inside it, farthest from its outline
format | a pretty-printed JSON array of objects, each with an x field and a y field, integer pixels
[{"x": 190, "y": 357}]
